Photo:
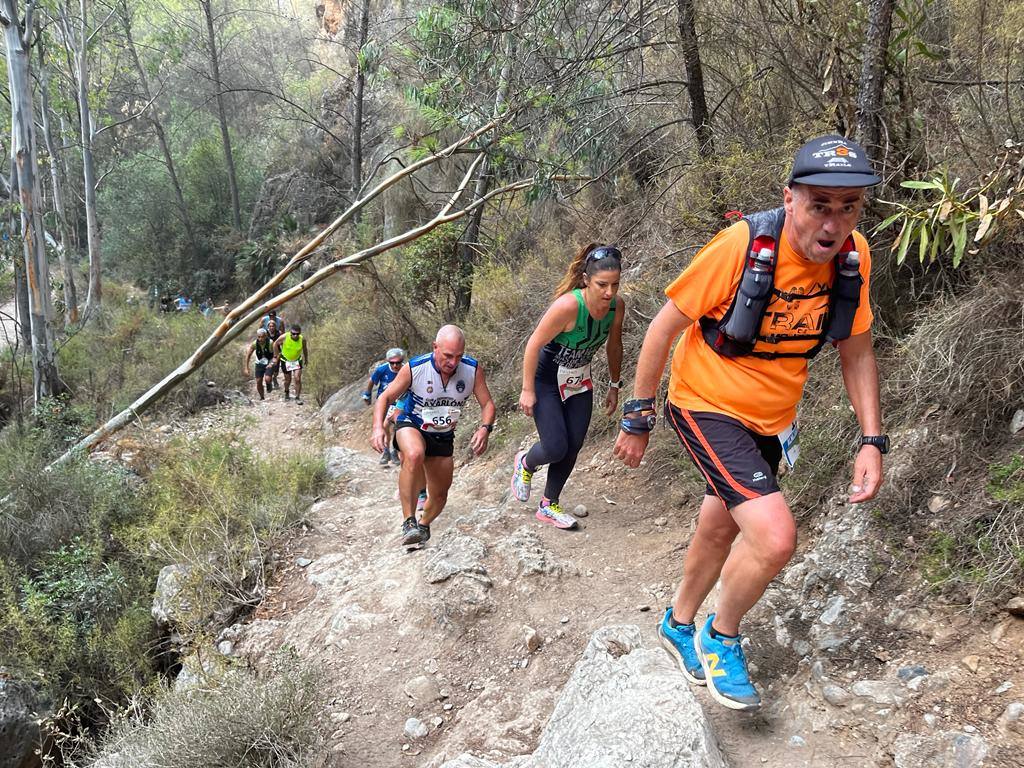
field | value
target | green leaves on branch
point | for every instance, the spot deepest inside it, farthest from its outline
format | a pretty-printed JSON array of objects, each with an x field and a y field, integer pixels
[{"x": 953, "y": 223}]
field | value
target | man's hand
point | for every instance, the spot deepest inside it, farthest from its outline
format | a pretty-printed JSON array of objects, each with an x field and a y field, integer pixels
[
  {"x": 611, "y": 401},
  {"x": 366, "y": 397},
  {"x": 378, "y": 439},
  {"x": 867, "y": 474},
  {"x": 631, "y": 448},
  {"x": 527, "y": 401},
  {"x": 478, "y": 442}
]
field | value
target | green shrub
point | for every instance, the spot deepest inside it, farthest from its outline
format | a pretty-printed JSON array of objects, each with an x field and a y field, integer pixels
[
  {"x": 270, "y": 720},
  {"x": 214, "y": 506}
]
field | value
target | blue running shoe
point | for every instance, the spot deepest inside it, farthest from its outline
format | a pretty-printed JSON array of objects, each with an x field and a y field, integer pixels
[
  {"x": 725, "y": 670},
  {"x": 679, "y": 642}
]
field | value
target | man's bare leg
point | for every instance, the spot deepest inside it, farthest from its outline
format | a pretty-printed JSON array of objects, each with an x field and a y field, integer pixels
[
  {"x": 411, "y": 476},
  {"x": 439, "y": 480},
  {"x": 767, "y": 543},
  {"x": 707, "y": 552}
]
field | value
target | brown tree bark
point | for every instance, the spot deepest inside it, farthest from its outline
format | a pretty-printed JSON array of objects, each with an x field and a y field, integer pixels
[
  {"x": 700, "y": 118},
  {"x": 872, "y": 77}
]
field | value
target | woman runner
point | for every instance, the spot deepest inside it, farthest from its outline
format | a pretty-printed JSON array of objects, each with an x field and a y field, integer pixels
[{"x": 557, "y": 387}]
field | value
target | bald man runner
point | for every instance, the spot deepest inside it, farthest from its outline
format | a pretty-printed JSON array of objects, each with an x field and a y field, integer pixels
[{"x": 439, "y": 383}]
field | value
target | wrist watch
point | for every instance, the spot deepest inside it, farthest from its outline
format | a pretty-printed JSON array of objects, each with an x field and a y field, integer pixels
[
  {"x": 615, "y": 384},
  {"x": 881, "y": 442},
  {"x": 488, "y": 427}
]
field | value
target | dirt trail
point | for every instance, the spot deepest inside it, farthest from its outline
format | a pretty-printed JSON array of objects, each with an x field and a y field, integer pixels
[{"x": 376, "y": 617}]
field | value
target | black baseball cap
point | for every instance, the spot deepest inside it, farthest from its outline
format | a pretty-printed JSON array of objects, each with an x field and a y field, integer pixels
[{"x": 832, "y": 161}]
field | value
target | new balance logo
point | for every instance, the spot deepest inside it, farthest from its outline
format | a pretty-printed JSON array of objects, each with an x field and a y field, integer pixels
[{"x": 713, "y": 665}]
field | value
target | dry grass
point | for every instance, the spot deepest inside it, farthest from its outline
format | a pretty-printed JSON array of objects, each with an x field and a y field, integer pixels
[{"x": 271, "y": 720}]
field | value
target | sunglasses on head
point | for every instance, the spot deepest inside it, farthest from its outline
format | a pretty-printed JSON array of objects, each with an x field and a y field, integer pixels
[{"x": 604, "y": 252}]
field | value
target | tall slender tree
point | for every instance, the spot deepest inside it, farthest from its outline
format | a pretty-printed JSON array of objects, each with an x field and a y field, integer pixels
[
  {"x": 77, "y": 36},
  {"x": 18, "y": 30},
  {"x": 872, "y": 75},
  {"x": 153, "y": 117},
  {"x": 56, "y": 184},
  {"x": 225, "y": 135},
  {"x": 699, "y": 115}
]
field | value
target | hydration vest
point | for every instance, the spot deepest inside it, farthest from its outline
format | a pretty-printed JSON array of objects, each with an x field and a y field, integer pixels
[{"x": 739, "y": 330}]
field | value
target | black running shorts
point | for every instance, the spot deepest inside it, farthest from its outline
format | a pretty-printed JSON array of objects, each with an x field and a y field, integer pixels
[
  {"x": 437, "y": 444},
  {"x": 737, "y": 463}
]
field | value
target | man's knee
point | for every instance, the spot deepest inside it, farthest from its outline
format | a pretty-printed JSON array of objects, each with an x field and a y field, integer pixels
[
  {"x": 776, "y": 548},
  {"x": 413, "y": 457}
]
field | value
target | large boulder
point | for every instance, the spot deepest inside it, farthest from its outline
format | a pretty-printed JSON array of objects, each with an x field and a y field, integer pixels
[
  {"x": 624, "y": 704},
  {"x": 343, "y": 407},
  {"x": 170, "y": 606},
  {"x": 19, "y": 733}
]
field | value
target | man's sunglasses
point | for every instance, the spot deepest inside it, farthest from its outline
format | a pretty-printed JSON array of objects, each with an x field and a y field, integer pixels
[
  {"x": 604, "y": 252},
  {"x": 395, "y": 363}
]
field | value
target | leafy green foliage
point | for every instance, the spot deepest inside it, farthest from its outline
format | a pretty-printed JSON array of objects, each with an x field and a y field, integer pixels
[
  {"x": 431, "y": 270},
  {"x": 1007, "y": 480}
]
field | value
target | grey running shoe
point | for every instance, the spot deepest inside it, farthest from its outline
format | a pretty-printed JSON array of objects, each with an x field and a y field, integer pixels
[
  {"x": 385, "y": 458},
  {"x": 521, "y": 478},
  {"x": 411, "y": 532},
  {"x": 425, "y": 532}
]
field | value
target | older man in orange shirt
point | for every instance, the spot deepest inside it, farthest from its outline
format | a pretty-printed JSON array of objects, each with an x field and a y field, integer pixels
[{"x": 758, "y": 301}]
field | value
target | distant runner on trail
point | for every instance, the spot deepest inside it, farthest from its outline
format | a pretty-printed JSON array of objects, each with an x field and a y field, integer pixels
[
  {"x": 291, "y": 351},
  {"x": 382, "y": 376},
  {"x": 263, "y": 349},
  {"x": 758, "y": 301},
  {"x": 439, "y": 383},
  {"x": 274, "y": 332},
  {"x": 558, "y": 389}
]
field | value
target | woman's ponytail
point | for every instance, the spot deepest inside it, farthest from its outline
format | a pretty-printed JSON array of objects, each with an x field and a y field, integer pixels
[{"x": 573, "y": 277}]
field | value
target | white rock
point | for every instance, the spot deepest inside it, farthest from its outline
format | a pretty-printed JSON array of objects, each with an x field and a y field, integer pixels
[
  {"x": 414, "y": 729},
  {"x": 422, "y": 690},
  {"x": 661, "y": 521},
  {"x": 608, "y": 716},
  {"x": 1017, "y": 422},
  {"x": 580, "y": 510},
  {"x": 1003, "y": 688}
]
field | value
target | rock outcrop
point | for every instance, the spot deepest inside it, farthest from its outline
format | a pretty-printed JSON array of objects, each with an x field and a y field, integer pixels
[{"x": 625, "y": 704}]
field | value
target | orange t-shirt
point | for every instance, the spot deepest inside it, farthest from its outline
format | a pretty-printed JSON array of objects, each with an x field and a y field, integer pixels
[{"x": 762, "y": 394}]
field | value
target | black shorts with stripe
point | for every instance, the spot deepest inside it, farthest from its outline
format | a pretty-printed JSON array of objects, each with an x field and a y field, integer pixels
[{"x": 737, "y": 463}]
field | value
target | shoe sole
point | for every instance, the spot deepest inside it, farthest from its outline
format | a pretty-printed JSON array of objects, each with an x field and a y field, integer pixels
[
  {"x": 721, "y": 698},
  {"x": 512, "y": 482},
  {"x": 548, "y": 521},
  {"x": 670, "y": 647}
]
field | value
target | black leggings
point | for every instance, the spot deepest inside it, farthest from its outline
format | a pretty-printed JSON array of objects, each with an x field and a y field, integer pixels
[{"x": 562, "y": 428}]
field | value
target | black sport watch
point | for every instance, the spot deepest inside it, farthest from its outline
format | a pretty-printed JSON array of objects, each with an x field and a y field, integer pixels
[{"x": 881, "y": 442}]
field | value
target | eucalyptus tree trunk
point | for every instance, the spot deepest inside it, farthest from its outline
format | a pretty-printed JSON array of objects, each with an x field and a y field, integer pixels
[
  {"x": 872, "y": 76},
  {"x": 64, "y": 239},
  {"x": 469, "y": 244},
  {"x": 76, "y": 38},
  {"x": 699, "y": 115},
  {"x": 24, "y": 322},
  {"x": 236, "y": 206},
  {"x": 17, "y": 36},
  {"x": 153, "y": 116}
]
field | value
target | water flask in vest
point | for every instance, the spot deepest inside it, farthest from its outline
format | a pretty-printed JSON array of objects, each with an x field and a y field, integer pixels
[
  {"x": 845, "y": 297},
  {"x": 754, "y": 291}
]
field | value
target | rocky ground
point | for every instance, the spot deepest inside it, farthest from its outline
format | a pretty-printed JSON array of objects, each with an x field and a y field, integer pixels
[{"x": 504, "y": 637}]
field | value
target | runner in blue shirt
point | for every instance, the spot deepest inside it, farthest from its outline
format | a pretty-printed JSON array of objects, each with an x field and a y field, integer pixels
[{"x": 383, "y": 375}]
